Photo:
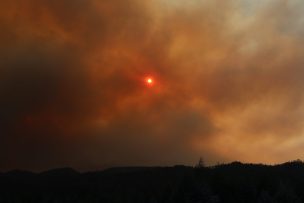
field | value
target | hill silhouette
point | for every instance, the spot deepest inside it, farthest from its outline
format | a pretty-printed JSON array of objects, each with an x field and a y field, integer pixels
[{"x": 233, "y": 182}]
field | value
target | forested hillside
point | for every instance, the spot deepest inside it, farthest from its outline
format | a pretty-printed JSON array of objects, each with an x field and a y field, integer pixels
[{"x": 234, "y": 182}]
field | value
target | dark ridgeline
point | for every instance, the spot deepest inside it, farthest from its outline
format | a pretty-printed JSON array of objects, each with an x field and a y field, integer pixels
[{"x": 234, "y": 182}]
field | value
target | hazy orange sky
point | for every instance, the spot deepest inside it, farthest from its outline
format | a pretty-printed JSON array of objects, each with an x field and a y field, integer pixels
[{"x": 228, "y": 82}]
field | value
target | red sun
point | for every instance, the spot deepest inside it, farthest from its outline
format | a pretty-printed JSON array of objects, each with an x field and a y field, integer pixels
[{"x": 149, "y": 81}]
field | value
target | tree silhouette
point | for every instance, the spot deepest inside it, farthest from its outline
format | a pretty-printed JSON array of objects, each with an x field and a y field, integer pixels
[{"x": 201, "y": 163}]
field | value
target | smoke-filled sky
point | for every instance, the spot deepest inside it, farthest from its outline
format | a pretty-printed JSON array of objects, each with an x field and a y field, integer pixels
[{"x": 228, "y": 82}]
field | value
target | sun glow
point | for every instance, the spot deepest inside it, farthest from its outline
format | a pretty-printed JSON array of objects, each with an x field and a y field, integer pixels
[{"x": 149, "y": 81}]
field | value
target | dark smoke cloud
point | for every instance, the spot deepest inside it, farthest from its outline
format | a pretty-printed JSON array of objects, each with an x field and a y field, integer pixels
[{"x": 228, "y": 82}]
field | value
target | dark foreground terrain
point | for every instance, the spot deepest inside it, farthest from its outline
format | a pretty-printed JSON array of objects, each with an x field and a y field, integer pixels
[{"x": 235, "y": 182}]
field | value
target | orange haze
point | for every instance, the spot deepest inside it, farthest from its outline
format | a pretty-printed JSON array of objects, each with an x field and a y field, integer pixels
[{"x": 227, "y": 82}]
